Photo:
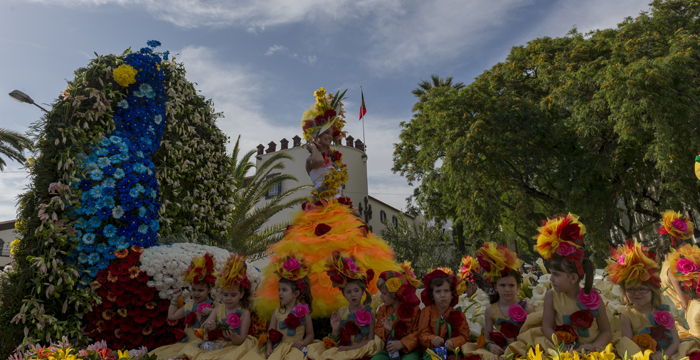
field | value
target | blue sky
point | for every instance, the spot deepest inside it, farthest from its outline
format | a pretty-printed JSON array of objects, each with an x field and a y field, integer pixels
[{"x": 260, "y": 61}]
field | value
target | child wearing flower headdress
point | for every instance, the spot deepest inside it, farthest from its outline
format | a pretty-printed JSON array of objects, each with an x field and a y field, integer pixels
[
  {"x": 684, "y": 264},
  {"x": 291, "y": 330},
  {"x": 229, "y": 322},
  {"x": 200, "y": 276},
  {"x": 575, "y": 315},
  {"x": 352, "y": 326},
  {"x": 647, "y": 323},
  {"x": 506, "y": 314},
  {"x": 469, "y": 273},
  {"x": 397, "y": 318},
  {"x": 440, "y": 325}
]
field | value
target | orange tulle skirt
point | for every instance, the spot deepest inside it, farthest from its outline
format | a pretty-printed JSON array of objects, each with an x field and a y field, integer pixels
[{"x": 345, "y": 235}]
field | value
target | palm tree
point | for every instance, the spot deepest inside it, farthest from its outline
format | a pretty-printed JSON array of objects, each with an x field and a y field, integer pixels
[
  {"x": 425, "y": 86},
  {"x": 12, "y": 145},
  {"x": 246, "y": 232}
]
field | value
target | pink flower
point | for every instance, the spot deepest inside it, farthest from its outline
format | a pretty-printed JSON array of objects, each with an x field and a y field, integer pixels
[
  {"x": 363, "y": 317},
  {"x": 590, "y": 301},
  {"x": 326, "y": 161},
  {"x": 517, "y": 313},
  {"x": 202, "y": 307},
  {"x": 680, "y": 225},
  {"x": 664, "y": 319},
  {"x": 565, "y": 249},
  {"x": 351, "y": 264},
  {"x": 233, "y": 321},
  {"x": 686, "y": 266},
  {"x": 621, "y": 260},
  {"x": 301, "y": 310},
  {"x": 291, "y": 264}
]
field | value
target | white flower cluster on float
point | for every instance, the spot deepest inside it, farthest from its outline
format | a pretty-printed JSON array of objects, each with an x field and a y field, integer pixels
[
  {"x": 474, "y": 308},
  {"x": 166, "y": 265}
]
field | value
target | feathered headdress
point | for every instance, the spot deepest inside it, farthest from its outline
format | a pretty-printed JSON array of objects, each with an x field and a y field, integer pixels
[
  {"x": 292, "y": 268},
  {"x": 342, "y": 269},
  {"x": 234, "y": 273},
  {"x": 407, "y": 272},
  {"x": 675, "y": 227},
  {"x": 437, "y": 273},
  {"x": 633, "y": 264},
  {"x": 468, "y": 268},
  {"x": 201, "y": 270},
  {"x": 498, "y": 261},
  {"x": 326, "y": 113},
  {"x": 685, "y": 261},
  {"x": 562, "y": 236},
  {"x": 400, "y": 287}
]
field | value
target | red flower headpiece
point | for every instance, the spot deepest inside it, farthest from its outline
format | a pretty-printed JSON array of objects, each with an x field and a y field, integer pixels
[
  {"x": 562, "y": 236},
  {"x": 436, "y": 273},
  {"x": 234, "y": 273},
  {"x": 468, "y": 268},
  {"x": 675, "y": 227},
  {"x": 400, "y": 287},
  {"x": 633, "y": 264},
  {"x": 326, "y": 113},
  {"x": 342, "y": 269},
  {"x": 201, "y": 270},
  {"x": 498, "y": 261}
]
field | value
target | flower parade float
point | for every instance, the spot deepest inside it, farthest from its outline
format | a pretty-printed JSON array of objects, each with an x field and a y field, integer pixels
[{"x": 128, "y": 154}]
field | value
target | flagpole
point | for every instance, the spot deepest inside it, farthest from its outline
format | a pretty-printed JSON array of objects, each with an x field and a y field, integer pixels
[{"x": 364, "y": 142}]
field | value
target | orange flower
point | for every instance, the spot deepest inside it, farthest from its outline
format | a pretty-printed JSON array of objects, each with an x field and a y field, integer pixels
[
  {"x": 147, "y": 330},
  {"x": 107, "y": 315},
  {"x": 565, "y": 336},
  {"x": 111, "y": 278},
  {"x": 134, "y": 272},
  {"x": 199, "y": 333},
  {"x": 262, "y": 339},
  {"x": 136, "y": 249},
  {"x": 151, "y": 305},
  {"x": 120, "y": 254},
  {"x": 645, "y": 342},
  {"x": 329, "y": 343},
  {"x": 480, "y": 342},
  {"x": 171, "y": 322},
  {"x": 111, "y": 297}
]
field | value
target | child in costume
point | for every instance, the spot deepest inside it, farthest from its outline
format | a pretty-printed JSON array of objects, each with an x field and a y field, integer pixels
[
  {"x": 440, "y": 324},
  {"x": 576, "y": 316},
  {"x": 291, "y": 329},
  {"x": 469, "y": 273},
  {"x": 352, "y": 326},
  {"x": 684, "y": 263},
  {"x": 229, "y": 322},
  {"x": 647, "y": 323},
  {"x": 200, "y": 275},
  {"x": 506, "y": 314},
  {"x": 397, "y": 318}
]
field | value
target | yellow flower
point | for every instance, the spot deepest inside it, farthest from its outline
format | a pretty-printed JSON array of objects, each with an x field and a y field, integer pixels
[
  {"x": 125, "y": 75},
  {"x": 535, "y": 355},
  {"x": 393, "y": 284},
  {"x": 123, "y": 354},
  {"x": 13, "y": 245},
  {"x": 461, "y": 288},
  {"x": 642, "y": 356},
  {"x": 608, "y": 353},
  {"x": 31, "y": 160}
]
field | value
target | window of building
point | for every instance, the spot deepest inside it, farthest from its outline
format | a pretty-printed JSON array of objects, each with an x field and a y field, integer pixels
[
  {"x": 275, "y": 190},
  {"x": 395, "y": 221},
  {"x": 382, "y": 216}
]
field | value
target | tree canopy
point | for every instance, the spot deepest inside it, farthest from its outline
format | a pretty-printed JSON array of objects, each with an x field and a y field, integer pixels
[{"x": 603, "y": 125}]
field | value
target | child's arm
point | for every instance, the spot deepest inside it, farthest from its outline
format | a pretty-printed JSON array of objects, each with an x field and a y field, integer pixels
[
  {"x": 379, "y": 329},
  {"x": 309, "y": 333},
  {"x": 605, "y": 335},
  {"x": 173, "y": 312},
  {"x": 237, "y": 339},
  {"x": 529, "y": 309},
  {"x": 488, "y": 323},
  {"x": 672, "y": 348},
  {"x": 425, "y": 336},
  {"x": 370, "y": 337},
  {"x": 210, "y": 322},
  {"x": 548, "y": 315},
  {"x": 273, "y": 324},
  {"x": 626, "y": 327},
  {"x": 460, "y": 336},
  {"x": 410, "y": 341}
]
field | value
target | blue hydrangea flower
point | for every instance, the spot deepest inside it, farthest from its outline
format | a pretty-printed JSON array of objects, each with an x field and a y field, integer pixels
[
  {"x": 92, "y": 271},
  {"x": 96, "y": 175},
  {"x": 104, "y": 213},
  {"x": 103, "y": 264},
  {"x": 123, "y": 148},
  {"x": 134, "y": 192},
  {"x": 79, "y": 223},
  {"x": 109, "y": 183},
  {"x": 89, "y": 238},
  {"x": 115, "y": 140},
  {"x": 155, "y": 225},
  {"x": 108, "y": 191},
  {"x": 122, "y": 243},
  {"x": 101, "y": 152},
  {"x": 109, "y": 231}
]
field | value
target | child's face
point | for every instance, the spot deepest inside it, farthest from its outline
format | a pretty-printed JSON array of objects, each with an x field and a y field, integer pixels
[
  {"x": 507, "y": 288},
  {"x": 353, "y": 293},
  {"x": 231, "y": 297},
  {"x": 471, "y": 289},
  {"x": 639, "y": 295},
  {"x": 200, "y": 292},
  {"x": 287, "y": 295},
  {"x": 562, "y": 281},
  {"x": 442, "y": 295},
  {"x": 387, "y": 298}
]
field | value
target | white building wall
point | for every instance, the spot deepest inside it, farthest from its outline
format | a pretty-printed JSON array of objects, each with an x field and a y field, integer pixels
[{"x": 7, "y": 236}]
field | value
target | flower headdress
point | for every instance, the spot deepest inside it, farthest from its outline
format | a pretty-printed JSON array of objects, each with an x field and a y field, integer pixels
[
  {"x": 292, "y": 268},
  {"x": 326, "y": 113},
  {"x": 437, "y": 273},
  {"x": 400, "y": 287},
  {"x": 201, "y": 270},
  {"x": 685, "y": 261},
  {"x": 498, "y": 261},
  {"x": 562, "y": 236},
  {"x": 342, "y": 269},
  {"x": 234, "y": 273},
  {"x": 468, "y": 268},
  {"x": 407, "y": 272},
  {"x": 675, "y": 227},
  {"x": 633, "y": 264}
]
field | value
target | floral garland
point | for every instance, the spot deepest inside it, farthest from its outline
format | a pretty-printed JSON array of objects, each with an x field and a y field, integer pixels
[
  {"x": 509, "y": 328},
  {"x": 335, "y": 178},
  {"x": 675, "y": 227},
  {"x": 686, "y": 262}
]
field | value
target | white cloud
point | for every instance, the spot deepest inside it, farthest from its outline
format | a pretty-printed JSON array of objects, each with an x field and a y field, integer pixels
[
  {"x": 308, "y": 59},
  {"x": 13, "y": 182}
]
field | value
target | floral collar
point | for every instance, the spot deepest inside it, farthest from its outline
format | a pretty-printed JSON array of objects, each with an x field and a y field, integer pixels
[
  {"x": 401, "y": 319},
  {"x": 356, "y": 326},
  {"x": 661, "y": 324},
  {"x": 510, "y": 327},
  {"x": 296, "y": 318}
]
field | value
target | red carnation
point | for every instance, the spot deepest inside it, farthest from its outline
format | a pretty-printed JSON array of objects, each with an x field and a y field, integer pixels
[
  {"x": 658, "y": 332},
  {"x": 337, "y": 279},
  {"x": 455, "y": 319},
  {"x": 570, "y": 232},
  {"x": 400, "y": 330},
  {"x": 190, "y": 319},
  {"x": 322, "y": 229},
  {"x": 484, "y": 264},
  {"x": 498, "y": 338},
  {"x": 351, "y": 328},
  {"x": 329, "y": 113},
  {"x": 274, "y": 336},
  {"x": 509, "y": 330},
  {"x": 292, "y": 322},
  {"x": 344, "y": 338},
  {"x": 405, "y": 311},
  {"x": 582, "y": 319}
]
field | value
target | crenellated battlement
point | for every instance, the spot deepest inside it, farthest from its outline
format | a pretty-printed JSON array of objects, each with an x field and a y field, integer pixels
[{"x": 296, "y": 141}]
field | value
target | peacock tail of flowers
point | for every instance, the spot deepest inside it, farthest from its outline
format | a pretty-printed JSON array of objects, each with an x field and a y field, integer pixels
[
  {"x": 233, "y": 273},
  {"x": 632, "y": 264}
]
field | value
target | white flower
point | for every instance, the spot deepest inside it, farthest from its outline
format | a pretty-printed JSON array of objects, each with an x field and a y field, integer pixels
[
  {"x": 529, "y": 278},
  {"x": 544, "y": 279},
  {"x": 482, "y": 299},
  {"x": 474, "y": 328},
  {"x": 538, "y": 292},
  {"x": 540, "y": 263},
  {"x": 538, "y": 305},
  {"x": 615, "y": 292}
]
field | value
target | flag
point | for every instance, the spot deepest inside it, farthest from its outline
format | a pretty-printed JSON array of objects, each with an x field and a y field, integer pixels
[{"x": 363, "y": 109}]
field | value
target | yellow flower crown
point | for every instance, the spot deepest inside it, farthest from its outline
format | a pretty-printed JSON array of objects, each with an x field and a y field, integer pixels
[
  {"x": 407, "y": 272},
  {"x": 498, "y": 261},
  {"x": 326, "y": 113},
  {"x": 292, "y": 267},
  {"x": 633, "y": 264},
  {"x": 201, "y": 270},
  {"x": 675, "y": 227},
  {"x": 233, "y": 273},
  {"x": 685, "y": 263},
  {"x": 468, "y": 267},
  {"x": 562, "y": 236}
]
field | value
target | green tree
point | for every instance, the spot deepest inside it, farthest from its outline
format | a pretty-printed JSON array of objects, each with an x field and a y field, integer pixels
[
  {"x": 603, "y": 125},
  {"x": 12, "y": 146},
  {"x": 423, "y": 244},
  {"x": 436, "y": 81}
]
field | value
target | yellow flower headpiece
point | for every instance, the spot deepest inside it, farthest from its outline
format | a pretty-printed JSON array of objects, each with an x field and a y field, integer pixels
[
  {"x": 675, "y": 227},
  {"x": 562, "y": 236},
  {"x": 407, "y": 272},
  {"x": 685, "y": 263},
  {"x": 292, "y": 267},
  {"x": 233, "y": 273},
  {"x": 201, "y": 270},
  {"x": 327, "y": 112},
  {"x": 498, "y": 261},
  {"x": 467, "y": 268},
  {"x": 633, "y": 264},
  {"x": 343, "y": 269}
]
